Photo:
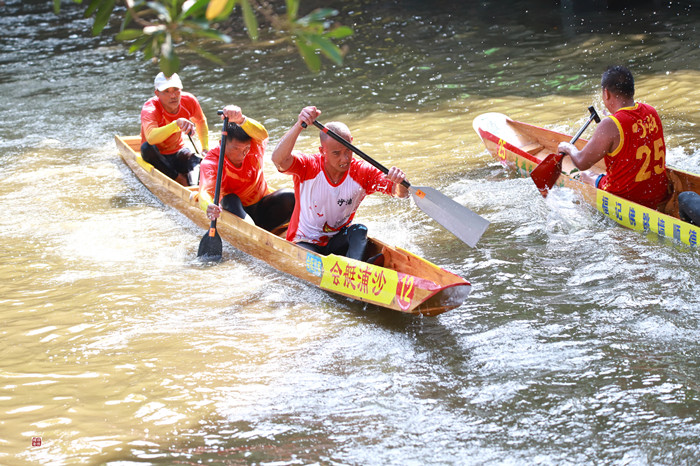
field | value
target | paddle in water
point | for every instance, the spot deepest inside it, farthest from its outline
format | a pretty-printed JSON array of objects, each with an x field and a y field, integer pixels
[
  {"x": 457, "y": 219},
  {"x": 210, "y": 247},
  {"x": 546, "y": 174}
]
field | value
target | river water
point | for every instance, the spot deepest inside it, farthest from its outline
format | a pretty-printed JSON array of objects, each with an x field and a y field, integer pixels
[{"x": 578, "y": 345}]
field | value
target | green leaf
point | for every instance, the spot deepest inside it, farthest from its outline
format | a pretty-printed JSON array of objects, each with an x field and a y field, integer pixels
[
  {"x": 56, "y": 6},
  {"x": 94, "y": 4},
  {"x": 292, "y": 9},
  {"x": 104, "y": 12},
  {"x": 200, "y": 23},
  {"x": 153, "y": 49},
  {"x": 318, "y": 15},
  {"x": 129, "y": 34},
  {"x": 194, "y": 10},
  {"x": 127, "y": 20},
  {"x": 339, "y": 32},
  {"x": 313, "y": 62},
  {"x": 313, "y": 35},
  {"x": 139, "y": 44},
  {"x": 251, "y": 23},
  {"x": 328, "y": 48},
  {"x": 174, "y": 7},
  {"x": 149, "y": 50},
  {"x": 169, "y": 64}
]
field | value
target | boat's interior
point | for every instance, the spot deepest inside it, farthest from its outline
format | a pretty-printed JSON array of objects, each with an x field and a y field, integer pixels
[{"x": 541, "y": 142}]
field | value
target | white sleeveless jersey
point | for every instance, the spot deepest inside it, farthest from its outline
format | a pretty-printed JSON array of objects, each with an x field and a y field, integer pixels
[{"x": 322, "y": 208}]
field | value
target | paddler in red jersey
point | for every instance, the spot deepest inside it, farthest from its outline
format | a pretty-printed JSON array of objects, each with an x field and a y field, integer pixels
[
  {"x": 631, "y": 140},
  {"x": 244, "y": 191},
  {"x": 164, "y": 120}
]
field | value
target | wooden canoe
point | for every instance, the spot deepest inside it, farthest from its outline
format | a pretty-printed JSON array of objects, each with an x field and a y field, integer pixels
[
  {"x": 405, "y": 283},
  {"x": 521, "y": 146}
]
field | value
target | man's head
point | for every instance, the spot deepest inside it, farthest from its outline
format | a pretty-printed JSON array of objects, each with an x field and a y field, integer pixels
[
  {"x": 237, "y": 144},
  {"x": 337, "y": 156},
  {"x": 618, "y": 81},
  {"x": 167, "y": 89}
]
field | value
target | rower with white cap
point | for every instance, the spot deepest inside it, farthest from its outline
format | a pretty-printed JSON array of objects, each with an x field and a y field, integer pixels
[{"x": 164, "y": 119}]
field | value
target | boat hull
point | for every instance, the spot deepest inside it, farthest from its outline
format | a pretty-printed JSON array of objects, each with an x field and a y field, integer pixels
[
  {"x": 406, "y": 283},
  {"x": 521, "y": 147}
]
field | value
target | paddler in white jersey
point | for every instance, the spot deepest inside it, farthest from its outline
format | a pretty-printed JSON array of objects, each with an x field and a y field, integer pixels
[{"x": 329, "y": 187}]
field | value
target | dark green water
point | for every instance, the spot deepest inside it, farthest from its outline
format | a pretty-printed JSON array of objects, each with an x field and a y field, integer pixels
[{"x": 578, "y": 344}]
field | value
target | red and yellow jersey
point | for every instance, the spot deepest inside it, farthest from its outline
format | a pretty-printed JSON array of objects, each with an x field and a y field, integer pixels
[
  {"x": 169, "y": 140},
  {"x": 323, "y": 208},
  {"x": 636, "y": 168},
  {"x": 247, "y": 181}
]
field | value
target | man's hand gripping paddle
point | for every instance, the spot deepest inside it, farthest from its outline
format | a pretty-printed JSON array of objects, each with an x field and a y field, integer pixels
[
  {"x": 546, "y": 174},
  {"x": 210, "y": 247},
  {"x": 457, "y": 219}
]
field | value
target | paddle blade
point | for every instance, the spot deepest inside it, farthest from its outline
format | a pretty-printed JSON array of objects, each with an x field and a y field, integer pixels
[
  {"x": 457, "y": 219},
  {"x": 546, "y": 174},
  {"x": 210, "y": 247}
]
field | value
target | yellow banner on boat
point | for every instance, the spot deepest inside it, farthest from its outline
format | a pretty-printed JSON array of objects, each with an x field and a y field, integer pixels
[
  {"x": 642, "y": 218},
  {"x": 359, "y": 279}
]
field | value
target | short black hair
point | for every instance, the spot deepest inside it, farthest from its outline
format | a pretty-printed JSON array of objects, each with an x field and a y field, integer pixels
[
  {"x": 233, "y": 131},
  {"x": 619, "y": 81}
]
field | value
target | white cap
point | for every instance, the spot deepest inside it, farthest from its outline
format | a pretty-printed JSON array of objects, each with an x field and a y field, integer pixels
[{"x": 162, "y": 83}]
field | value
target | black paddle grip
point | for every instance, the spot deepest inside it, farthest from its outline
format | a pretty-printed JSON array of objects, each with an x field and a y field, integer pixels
[{"x": 594, "y": 116}]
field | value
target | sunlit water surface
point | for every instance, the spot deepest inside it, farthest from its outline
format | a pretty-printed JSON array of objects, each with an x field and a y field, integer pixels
[{"x": 577, "y": 345}]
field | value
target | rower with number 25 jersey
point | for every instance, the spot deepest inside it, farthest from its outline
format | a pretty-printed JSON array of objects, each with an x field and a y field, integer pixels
[{"x": 630, "y": 140}]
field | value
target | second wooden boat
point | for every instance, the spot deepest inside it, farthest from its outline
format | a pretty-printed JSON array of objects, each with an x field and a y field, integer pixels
[{"x": 522, "y": 146}]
